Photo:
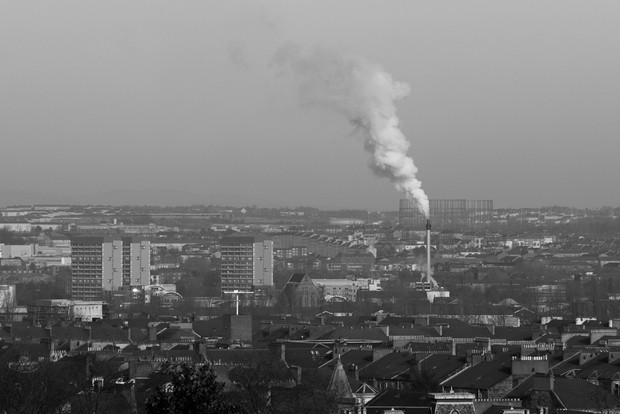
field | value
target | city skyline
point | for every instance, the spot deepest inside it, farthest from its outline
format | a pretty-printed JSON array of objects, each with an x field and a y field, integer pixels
[
  {"x": 278, "y": 206},
  {"x": 512, "y": 102},
  {"x": 187, "y": 199}
]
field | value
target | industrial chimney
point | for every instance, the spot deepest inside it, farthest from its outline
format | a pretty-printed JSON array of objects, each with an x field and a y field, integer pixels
[{"x": 428, "y": 251}]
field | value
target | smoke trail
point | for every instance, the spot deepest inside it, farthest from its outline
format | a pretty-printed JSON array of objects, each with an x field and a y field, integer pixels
[{"x": 366, "y": 95}]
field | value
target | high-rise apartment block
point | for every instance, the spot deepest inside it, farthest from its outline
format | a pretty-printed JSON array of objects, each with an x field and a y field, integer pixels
[
  {"x": 263, "y": 263},
  {"x": 102, "y": 264},
  {"x": 247, "y": 263}
]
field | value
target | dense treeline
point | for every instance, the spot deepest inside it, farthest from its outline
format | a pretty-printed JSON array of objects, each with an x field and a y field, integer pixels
[{"x": 9, "y": 237}]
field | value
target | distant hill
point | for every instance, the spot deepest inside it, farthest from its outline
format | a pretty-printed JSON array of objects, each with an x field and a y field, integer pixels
[
  {"x": 19, "y": 197},
  {"x": 145, "y": 197},
  {"x": 131, "y": 198}
]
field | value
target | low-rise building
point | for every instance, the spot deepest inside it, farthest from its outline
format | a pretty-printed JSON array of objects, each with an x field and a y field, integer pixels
[
  {"x": 53, "y": 310},
  {"x": 8, "y": 251},
  {"x": 338, "y": 289},
  {"x": 7, "y": 298},
  {"x": 16, "y": 226}
]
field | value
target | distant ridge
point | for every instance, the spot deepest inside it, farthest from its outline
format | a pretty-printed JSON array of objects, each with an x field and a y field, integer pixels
[
  {"x": 170, "y": 198},
  {"x": 162, "y": 198},
  {"x": 154, "y": 197},
  {"x": 19, "y": 197}
]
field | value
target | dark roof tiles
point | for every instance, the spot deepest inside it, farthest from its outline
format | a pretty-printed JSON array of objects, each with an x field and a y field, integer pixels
[{"x": 483, "y": 375}]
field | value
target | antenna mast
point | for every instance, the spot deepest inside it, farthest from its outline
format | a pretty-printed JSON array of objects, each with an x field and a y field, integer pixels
[{"x": 237, "y": 293}]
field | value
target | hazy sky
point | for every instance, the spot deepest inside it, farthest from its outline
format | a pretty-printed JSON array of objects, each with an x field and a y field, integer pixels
[{"x": 518, "y": 102}]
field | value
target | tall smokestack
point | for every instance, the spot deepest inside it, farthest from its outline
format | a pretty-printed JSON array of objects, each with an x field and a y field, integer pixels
[{"x": 428, "y": 251}]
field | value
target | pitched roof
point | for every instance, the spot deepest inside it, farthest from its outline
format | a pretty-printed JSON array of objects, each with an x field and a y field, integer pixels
[
  {"x": 417, "y": 330},
  {"x": 513, "y": 333},
  {"x": 353, "y": 357},
  {"x": 599, "y": 367},
  {"x": 570, "y": 393},
  {"x": 557, "y": 325},
  {"x": 408, "y": 401},
  {"x": 96, "y": 331},
  {"x": 428, "y": 347},
  {"x": 466, "y": 331},
  {"x": 390, "y": 366},
  {"x": 372, "y": 334},
  {"x": 578, "y": 340},
  {"x": 365, "y": 389},
  {"x": 296, "y": 277},
  {"x": 396, "y": 320},
  {"x": 237, "y": 356},
  {"x": 209, "y": 328},
  {"x": 32, "y": 350},
  {"x": 172, "y": 334},
  {"x": 483, "y": 375},
  {"x": 23, "y": 331},
  {"x": 305, "y": 357},
  {"x": 313, "y": 332},
  {"x": 567, "y": 364},
  {"x": 442, "y": 365},
  {"x": 581, "y": 394}
]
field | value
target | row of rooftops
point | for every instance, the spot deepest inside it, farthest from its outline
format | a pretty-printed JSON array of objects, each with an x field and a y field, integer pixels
[
  {"x": 363, "y": 351},
  {"x": 324, "y": 329}
]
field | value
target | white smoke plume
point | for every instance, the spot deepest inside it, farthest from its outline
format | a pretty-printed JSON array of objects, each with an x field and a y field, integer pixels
[{"x": 366, "y": 94}]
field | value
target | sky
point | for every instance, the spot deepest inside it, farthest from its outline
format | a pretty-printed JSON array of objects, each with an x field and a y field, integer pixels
[{"x": 517, "y": 102}]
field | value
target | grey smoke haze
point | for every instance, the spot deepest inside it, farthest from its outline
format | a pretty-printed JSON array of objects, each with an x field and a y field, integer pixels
[
  {"x": 514, "y": 101},
  {"x": 366, "y": 95}
]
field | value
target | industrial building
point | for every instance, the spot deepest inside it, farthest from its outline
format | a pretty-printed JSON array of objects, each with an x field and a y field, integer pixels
[
  {"x": 247, "y": 263},
  {"x": 447, "y": 213},
  {"x": 102, "y": 264}
]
